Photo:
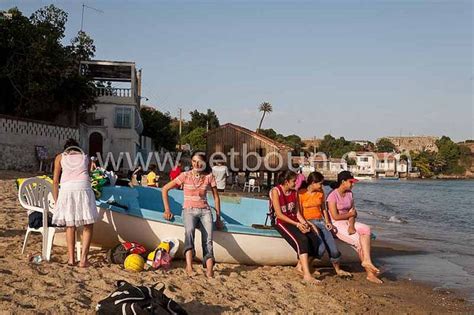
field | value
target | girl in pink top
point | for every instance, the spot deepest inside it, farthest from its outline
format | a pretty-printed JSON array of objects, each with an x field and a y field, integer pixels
[
  {"x": 74, "y": 201},
  {"x": 196, "y": 210},
  {"x": 343, "y": 213}
]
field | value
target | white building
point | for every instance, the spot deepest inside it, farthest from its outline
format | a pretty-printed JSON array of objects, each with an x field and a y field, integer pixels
[{"x": 114, "y": 123}]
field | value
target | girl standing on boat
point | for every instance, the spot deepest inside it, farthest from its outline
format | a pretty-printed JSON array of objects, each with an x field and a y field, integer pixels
[
  {"x": 74, "y": 201},
  {"x": 342, "y": 209},
  {"x": 292, "y": 225},
  {"x": 311, "y": 199},
  {"x": 196, "y": 210}
]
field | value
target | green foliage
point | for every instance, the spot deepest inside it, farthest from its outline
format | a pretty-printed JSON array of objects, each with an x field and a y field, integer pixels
[
  {"x": 450, "y": 159},
  {"x": 157, "y": 125},
  {"x": 265, "y": 108},
  {"x": 196, "y": 139},
  {"x": 449, "y": 153},
  {"x": 292, "y": 141},
  {"x": 385, "y": 145},
  {"x": 39, "y": 76},
  {"x": 423, "y": 161},
  {"x": 336, "y": 148},
  {"x": 202, "y": 119}
]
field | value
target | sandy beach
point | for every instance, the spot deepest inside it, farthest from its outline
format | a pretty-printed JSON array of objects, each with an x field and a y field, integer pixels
[{"x": 54, "y": 287}]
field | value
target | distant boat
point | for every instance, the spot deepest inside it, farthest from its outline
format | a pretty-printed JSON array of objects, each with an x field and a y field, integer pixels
[
  {"x": 136, "y": 214},
  {"x": 364, "y": 178},
  {"x": 389, "y": 178}
]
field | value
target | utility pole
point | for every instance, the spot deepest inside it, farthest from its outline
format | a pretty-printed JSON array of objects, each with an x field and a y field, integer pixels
[{"x": 180, "y": 125}]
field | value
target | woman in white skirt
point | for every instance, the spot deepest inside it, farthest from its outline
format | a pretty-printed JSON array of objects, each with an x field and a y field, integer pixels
[{"x": 74, "y": 199}]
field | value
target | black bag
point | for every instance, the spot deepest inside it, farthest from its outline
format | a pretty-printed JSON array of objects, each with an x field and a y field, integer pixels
[
  {"x": 130, "y": 299},
  {"x": 35, "y": 220}
]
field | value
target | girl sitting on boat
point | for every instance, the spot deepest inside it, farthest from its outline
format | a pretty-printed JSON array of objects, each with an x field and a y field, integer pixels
[
  {"x": 196, "y": 210},
  {"x": 291, "y": 224},
  {"x": 342, "y": 210},
  {"x": 311, "y": 200}
]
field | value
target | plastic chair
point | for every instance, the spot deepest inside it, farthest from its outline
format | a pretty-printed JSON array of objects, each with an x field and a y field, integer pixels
[
  {"x": 36, "y": 194},
  {"x": 251, "y": 185}
]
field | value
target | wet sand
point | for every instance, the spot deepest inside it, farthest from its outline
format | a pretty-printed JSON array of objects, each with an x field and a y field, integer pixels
[{"x": 54, "y": 287}]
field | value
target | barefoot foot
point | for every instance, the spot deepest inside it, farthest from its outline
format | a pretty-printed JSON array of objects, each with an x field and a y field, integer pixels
[
  {"x": 343, "y": 273},
  {"x": 310, "y": 280},
  {"x": 373, "y": 278},
  {"x": 370, "y": 267}
]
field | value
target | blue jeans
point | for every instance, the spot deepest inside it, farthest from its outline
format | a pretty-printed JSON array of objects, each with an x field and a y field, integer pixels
[
  {"x": 198, "y": 218},
  {"x": 327, "y": 240}
]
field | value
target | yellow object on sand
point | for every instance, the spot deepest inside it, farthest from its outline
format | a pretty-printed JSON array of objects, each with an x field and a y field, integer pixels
[
  {"x": 21, "y": 180},
  {"x": 134, "y": 262}
]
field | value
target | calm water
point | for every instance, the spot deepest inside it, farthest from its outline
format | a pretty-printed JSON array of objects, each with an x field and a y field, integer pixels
[{"x": 436, "y": 217}]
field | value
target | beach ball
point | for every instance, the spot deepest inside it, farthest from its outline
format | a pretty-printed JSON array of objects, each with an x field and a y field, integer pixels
[{"x": 134, "y": 262}]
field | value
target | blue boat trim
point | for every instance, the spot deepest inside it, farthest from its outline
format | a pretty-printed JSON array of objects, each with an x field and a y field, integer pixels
[{"x": 146, "y": 203}]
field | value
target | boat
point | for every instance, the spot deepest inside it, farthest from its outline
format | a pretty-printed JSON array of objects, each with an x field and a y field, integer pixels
[
  {"x": 364, "y": 178},
  {"x": 136, "y": 214}
]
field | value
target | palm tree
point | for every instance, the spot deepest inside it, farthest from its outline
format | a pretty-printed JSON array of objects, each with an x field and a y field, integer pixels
[{"x": 265, "y": 107}]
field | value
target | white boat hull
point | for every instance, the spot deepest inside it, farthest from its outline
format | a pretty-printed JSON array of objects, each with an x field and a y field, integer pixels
[{"x": 235, "y": 248}]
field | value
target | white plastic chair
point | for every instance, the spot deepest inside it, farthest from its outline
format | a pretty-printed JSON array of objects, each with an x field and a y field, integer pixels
[
  {"x": 251, "y": 185},
  {"x": 36, "y": 194}
]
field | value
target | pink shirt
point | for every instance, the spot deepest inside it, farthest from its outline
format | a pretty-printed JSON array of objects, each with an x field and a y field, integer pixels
[
  {"x": 195, "y": 189},
  {"x": 343, "y": 204},
  {"x": 299, "y": 180},
  {"x": 75, "y": 167}
]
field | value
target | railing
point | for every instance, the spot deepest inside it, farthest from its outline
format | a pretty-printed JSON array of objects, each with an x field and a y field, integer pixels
[{"x": 110, "y": 91}]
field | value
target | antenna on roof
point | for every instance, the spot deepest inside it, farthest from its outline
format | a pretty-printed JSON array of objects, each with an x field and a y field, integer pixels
[{"x": 82, "y": 16}]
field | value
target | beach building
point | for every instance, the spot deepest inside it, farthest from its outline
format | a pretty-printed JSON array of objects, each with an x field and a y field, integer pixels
[
  {"x": 245, "y": 150},
  {"x": 114, "y": 124}
]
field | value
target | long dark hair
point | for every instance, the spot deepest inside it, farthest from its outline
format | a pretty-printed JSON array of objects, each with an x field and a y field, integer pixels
[
  {"x": 203, "y": 157},
  {"x": 313, "y": 177},
  {"x": 286, "y": 176}
]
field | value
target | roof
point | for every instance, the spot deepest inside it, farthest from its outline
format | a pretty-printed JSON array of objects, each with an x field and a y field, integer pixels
[
  {"x": 108, "y": 70},
  {"x": 263, "y": 138}
]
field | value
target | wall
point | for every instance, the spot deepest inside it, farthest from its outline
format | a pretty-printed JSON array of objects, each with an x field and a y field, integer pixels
[{"x": 18, "y": 138}]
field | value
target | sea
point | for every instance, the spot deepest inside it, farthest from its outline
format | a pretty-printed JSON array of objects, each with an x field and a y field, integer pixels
[{"x": 433, "y": 218}]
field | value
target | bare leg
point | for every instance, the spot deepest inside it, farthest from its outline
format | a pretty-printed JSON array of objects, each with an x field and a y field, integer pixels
[
  {"x": 189, "y": 263},
  {"x": 210, "y": 268},
  {"x": 366, "y": 259},
  {"x": 86, "y": 243},
  {"x": 339, "y": 271},
  {"x": 306, "y": 272},
  {"x": 351, "y": 230},
  {"x": 71, "y": 242}
]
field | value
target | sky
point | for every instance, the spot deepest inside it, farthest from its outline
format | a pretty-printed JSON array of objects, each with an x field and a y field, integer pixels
[{"x": 357, "y": 69}]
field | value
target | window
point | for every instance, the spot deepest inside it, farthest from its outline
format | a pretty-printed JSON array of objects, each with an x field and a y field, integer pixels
[
  {"x": 364, "y": 159},
  {"x": 123, "y": 117}
]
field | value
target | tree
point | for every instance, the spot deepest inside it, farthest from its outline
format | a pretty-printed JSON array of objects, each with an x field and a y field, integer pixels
[
  {"x": 196, "y": 139},
  {"x": 265, "y": 107},
  {"x": 385, "y": 145},
  {"x": 337, "y": 147},
  {"x": 203, "y": 120},
  {"x": 39, "y": 76},
  {"x": 157, "y": 125},
  {"x": 450, "y": 153}
]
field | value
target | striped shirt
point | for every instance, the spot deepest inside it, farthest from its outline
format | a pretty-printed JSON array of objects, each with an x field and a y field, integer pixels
[{"x": 195, "y": 189}]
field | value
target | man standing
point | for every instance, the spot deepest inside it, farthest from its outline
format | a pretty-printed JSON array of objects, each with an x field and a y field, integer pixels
[{"x": 220, "y": 172}]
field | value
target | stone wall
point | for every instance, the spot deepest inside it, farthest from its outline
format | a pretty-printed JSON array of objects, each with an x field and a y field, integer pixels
[
  {"x": 420, "y": 143},
  {"x": 18, "y": 138}
]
